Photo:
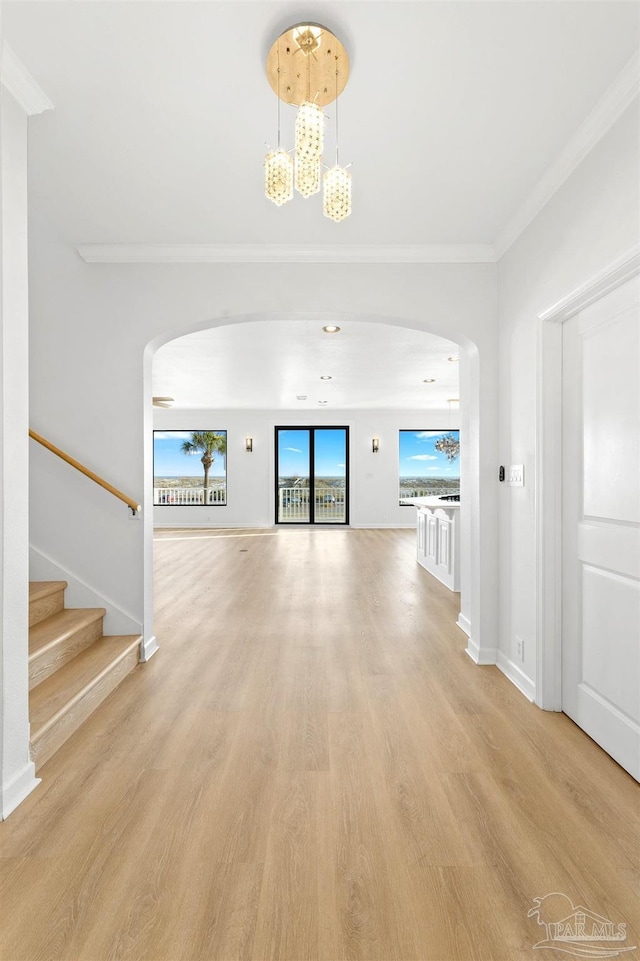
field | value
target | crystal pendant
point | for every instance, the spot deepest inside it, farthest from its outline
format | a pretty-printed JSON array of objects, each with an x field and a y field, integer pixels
[
  {"x": 278, "y": 177},
  {"x": 309, "y": 132},
  {"x": 308, "y": 174},
  {"x": 337, "y": 193},
  {"x": 449, "y": 445}
]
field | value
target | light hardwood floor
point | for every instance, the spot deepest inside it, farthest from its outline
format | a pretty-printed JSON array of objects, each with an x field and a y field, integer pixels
[{"x": 312, "y": 768}]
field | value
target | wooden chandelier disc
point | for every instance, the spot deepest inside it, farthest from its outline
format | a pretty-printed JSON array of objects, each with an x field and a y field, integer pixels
[{"x": 313, "y": 65}]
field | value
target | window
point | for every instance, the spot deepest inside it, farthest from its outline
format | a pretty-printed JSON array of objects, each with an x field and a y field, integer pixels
[
  {"x": 429, "y": 464},
  {"x": 190, "y": 468}
]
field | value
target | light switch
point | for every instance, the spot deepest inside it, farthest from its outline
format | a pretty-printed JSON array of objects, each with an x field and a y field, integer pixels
[{"x": 515, "y": 475}]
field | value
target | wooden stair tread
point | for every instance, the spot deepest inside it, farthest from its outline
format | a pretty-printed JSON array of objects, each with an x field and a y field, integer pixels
[
  {"x": 40, "y": 589},
  {"x": 78, "y": 676},
  {"x": 45, "y": 598},
  {"x": 73, "y": 667},
  {"x": 58, "y": 627}
]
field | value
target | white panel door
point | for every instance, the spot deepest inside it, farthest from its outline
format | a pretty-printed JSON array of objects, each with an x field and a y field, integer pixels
[{"x": 601, "y": 523}]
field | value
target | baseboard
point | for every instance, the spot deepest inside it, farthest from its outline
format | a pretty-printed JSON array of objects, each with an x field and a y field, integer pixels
[
  {"x": 19, "y": 787},
  {"x": 159, "y": 528},
  {"x": 377, "y": 527},
  {"x": 464, "y": 624},
  {"x": 148, "y": 647},
  {"x": 209, "y": 526},
  {"x": 517, "y": 676},
  {"x": 79, "y": 594},
  {"x": 482, "y": 655}
]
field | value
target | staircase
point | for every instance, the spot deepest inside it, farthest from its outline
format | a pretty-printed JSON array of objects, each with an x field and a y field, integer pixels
[{"x": 73, "y": 667}]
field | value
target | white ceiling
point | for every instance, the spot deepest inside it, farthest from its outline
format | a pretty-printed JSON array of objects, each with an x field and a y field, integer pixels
[
  {"x": 452, "y": 115},
  {"x": 268, "y": 364}
]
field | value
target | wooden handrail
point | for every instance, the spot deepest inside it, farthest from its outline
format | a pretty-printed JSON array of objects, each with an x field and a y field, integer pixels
[{"x": 85, "y": 470}]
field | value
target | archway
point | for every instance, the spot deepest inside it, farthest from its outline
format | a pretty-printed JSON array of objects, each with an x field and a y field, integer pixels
[{"x": 473, "y": 607}]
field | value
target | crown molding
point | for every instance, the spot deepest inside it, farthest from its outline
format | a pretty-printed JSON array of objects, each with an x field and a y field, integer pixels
[
  {"x": 611, "y": 106},
  {"x": 626, "y": 266},
  {"x": 286, "y": 254},
  {"x": 21, "y": 85}
]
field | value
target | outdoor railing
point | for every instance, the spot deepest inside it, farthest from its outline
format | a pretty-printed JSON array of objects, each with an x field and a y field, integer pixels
[
  {"x": 180, "y": 496},
  {"x": 293, "y": 504},
  {"x": 408, "y": 493}
]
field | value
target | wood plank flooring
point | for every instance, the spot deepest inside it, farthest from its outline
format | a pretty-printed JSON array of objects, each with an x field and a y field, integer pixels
[{"x": 312, "y": 769}]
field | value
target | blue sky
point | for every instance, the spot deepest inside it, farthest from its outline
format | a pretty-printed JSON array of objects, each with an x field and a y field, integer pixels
[
  {"x": 419, "y": 458},
  {"x": 169, "y": 461},
  {"x": 293, "y": 453}
]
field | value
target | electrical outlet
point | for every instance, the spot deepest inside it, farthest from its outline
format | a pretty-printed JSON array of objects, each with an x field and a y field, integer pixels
[
  {"x": 519, "y": 648},
  {"x": 515, "y": 475}
]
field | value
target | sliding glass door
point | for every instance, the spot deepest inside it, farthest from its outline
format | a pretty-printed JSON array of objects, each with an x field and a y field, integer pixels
[{"x": 312, "y": 475}]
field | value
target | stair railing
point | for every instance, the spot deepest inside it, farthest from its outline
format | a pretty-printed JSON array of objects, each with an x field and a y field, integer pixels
[{"x": 129, "y": 501}]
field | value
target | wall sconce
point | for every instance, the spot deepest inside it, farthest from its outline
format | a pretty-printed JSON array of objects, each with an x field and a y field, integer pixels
[
  {"x": 248, "y": 444},
  {"x": 375, "y": 445}
]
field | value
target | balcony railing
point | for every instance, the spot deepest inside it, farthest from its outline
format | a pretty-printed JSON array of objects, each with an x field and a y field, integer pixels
[
  {"x": 407, "y": 494},
  {"x": 181, "y": 496},
  {"x": 293, "y": 502},
  {"x": 293, "y": 505}
]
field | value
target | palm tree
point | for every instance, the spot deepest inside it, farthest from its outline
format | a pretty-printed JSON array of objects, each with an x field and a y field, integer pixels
[{"x": 209, "y": 443}]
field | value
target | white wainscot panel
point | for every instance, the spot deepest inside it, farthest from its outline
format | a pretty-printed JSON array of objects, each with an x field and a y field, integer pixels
[
  {"x": 438, "y": 541},
  {"x": 444, "y": 544},
  {"x": 420, "y": 533},
  {"x": 432, "y": 538}
]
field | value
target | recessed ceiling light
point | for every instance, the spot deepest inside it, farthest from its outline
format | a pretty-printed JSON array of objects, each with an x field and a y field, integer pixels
[
  {"x": 454, "y": 360},
  {"x": 331, "y": 329},
  {"x": 301, "y": 396},
  {"x": 323, "y": 401},
  {"x": 325, "y": 377},
  {"x": 429, "y": 380}
]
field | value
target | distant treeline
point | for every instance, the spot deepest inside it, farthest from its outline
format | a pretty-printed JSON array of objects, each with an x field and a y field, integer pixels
[
  {"x": 429, "y": 483},
  {"x": 304, "y": 481},
  {"x": 187, "y": 481}
]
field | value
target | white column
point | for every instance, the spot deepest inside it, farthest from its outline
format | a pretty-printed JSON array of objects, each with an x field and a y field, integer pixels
[
  {"x": 18, "y": 98},
  {"x": 479, "y": 505},
  {"x": 149, "y": 644}
]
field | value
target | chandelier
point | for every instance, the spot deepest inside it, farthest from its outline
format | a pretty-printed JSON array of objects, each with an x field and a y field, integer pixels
[
  {"x": 449, "y": 443},
  {"x": 308, "y": 68}
]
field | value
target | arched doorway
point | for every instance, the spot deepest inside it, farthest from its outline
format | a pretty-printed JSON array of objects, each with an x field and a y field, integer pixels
[{"x": 471, "y": 516}]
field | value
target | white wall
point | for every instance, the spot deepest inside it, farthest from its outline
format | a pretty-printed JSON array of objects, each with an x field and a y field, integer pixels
[
  {"x": 18, "y": 777},
  {"x": 250, "y": 477},
  {"x": 589, "y": 222},
  {"x": 94, "y": 330},
  {"x": 90, "y": 387}
]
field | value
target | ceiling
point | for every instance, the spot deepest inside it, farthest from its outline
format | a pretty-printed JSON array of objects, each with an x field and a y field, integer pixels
[
  {"x": 453, "y": 113},
  {"x": 271, "y": 364}
]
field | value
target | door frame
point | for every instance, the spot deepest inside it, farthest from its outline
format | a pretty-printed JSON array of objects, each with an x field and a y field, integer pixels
[
  {"x": 548, "y": 474},
  {"x": 312, "y": 428}
]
